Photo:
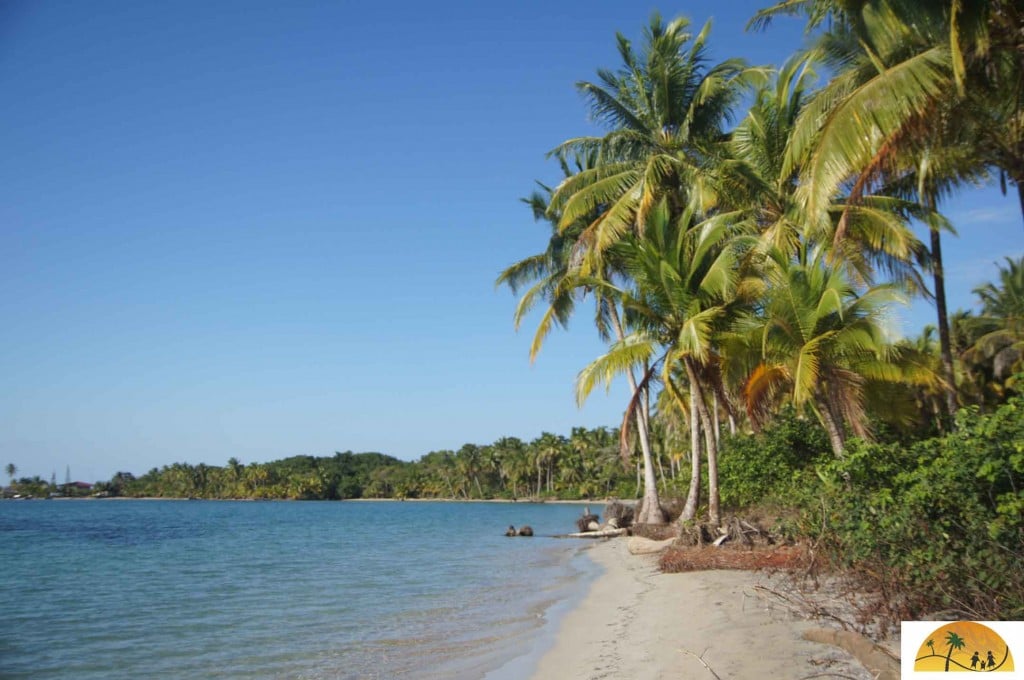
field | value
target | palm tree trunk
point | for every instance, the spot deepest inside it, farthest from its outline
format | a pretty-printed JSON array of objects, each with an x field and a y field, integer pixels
[
  {"x": 696, "y": 393},
  {"x": 661, "y": 472},
  {"x": 945, "y": 349},
  {"x": 1020, "y": 194},
  {"x": 693, "y": 494},
  {"x": 652, "y": 513},
  {"x": 718, "y": 433},
  {"x": 833, "y": 428}
]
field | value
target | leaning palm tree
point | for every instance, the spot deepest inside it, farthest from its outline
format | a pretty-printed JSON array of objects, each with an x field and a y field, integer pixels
[
  {"x": 554, "y": 277},
  {"x": 665, "y": 110},
  {"x": 683, "y": 277}
]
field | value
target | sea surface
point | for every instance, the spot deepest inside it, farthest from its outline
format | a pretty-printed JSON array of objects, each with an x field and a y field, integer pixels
[{"x": 221, "y": 589}]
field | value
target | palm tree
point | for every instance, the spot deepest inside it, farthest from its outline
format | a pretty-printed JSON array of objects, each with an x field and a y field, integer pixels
[
  {"x": 759, "y": 185},
  {"x": 820, "y": 341},
  {"x": 546, "y": 450},
  {"x": 1001, "y": 324},
  {"x": 909, "y": 74},
  {"x": 682, "y": 277},
  {"x": 555, "y": 278},
  {"x": 898, "y": 64},
  {"x": 12, "y": 470},
  {"x": 666, "y": 109},
  {"x": 954, "y": 641}
]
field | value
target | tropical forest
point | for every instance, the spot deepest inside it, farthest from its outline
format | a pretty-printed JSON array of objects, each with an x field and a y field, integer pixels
[{"x": 740, "y": 236}]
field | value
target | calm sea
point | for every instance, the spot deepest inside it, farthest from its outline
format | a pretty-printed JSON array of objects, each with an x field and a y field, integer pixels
[{"x": 180, "y": 589}]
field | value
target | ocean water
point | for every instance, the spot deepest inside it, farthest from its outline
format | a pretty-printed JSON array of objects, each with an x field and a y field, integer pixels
[{"x": 189, "y": 589}]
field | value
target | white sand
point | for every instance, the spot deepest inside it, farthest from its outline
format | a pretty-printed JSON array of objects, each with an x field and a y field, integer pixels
[{"x": 637, "y": 623}]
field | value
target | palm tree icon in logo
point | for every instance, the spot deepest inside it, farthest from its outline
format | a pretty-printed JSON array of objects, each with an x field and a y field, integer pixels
[{"x": 953, "y": 641}]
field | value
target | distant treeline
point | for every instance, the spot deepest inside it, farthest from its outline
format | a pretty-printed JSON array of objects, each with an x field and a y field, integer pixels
[{"x": 584, "y": 464}]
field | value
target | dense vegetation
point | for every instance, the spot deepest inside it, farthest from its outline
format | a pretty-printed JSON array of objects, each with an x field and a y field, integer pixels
[
  {"x": 586, "y": 464},
  {"x": 741, "y": 274}
]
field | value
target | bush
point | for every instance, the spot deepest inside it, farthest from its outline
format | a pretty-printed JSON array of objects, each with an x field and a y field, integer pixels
[
  {"x": 767, "y": 466},
  {"x": 939, "y": 525}
]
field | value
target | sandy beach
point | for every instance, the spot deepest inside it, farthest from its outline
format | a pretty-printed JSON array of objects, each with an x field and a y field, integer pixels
[{"x": 638, "y": 623}]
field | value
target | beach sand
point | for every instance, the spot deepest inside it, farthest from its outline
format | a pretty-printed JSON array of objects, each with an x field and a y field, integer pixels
[{"x": 638, "y": 623}]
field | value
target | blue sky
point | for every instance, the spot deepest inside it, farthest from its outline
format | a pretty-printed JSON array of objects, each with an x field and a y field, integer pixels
[{"x": 260, "y": 229}]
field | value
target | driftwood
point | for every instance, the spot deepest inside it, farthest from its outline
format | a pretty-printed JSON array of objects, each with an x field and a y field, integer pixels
[
  {"x": 875, "y": 658},
  {"x": 732, "y": 529},
  {"x": 638, "y": 545},
  {"x": 602, "y": 533}
]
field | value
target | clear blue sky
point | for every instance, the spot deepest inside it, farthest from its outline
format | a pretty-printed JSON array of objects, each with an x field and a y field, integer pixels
[{"x": 260, "y": 229}]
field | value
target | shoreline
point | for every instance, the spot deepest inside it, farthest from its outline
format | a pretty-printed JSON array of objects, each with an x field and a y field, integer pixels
[
  {"x": 635, "y": 622},
  {"x": 523, "y": 501}
]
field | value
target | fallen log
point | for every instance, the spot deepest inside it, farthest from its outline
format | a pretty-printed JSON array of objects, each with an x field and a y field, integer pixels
[{"x": 602, "y": 533}]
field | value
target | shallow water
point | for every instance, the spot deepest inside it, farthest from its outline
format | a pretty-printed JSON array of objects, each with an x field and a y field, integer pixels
[{"x": 101, "y": 589}]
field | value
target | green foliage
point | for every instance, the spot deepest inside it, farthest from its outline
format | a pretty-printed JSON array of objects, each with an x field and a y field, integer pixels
[
  {"x": 551, "y": 466},
  {"x": 941, "y": 522},
  {"x": 767, "y": 466}
]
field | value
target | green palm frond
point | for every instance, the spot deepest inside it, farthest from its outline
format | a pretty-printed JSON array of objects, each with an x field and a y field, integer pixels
[{"x": 635, "y": 349}]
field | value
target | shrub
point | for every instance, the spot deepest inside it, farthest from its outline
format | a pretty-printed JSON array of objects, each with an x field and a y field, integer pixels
[
  {"x": 766, "y": 466},
  {"x": 938, "y": 525}
]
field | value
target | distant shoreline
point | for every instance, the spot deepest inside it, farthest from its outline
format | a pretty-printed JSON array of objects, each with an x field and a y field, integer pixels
[{"x": 524, "y": 501}]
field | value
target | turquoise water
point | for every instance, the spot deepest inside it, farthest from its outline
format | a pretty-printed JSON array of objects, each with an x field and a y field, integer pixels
[{"x": 131, "y": 589}]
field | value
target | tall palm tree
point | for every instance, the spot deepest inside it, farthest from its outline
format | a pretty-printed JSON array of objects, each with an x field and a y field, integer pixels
[
  {"x": 555, "y": 278},
  {"x": 11, "y": 470},
  {"x": 507, "y": 454},
  {"x": 665, "y": 109},
  {"x": 683, "y": 277}
]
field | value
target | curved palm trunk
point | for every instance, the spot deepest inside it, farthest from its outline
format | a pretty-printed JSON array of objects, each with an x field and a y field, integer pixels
[
  {"x": 697, "y": 395},
  {"x": 652, "y": 513},
  {"x": 693, "y": 494}
]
